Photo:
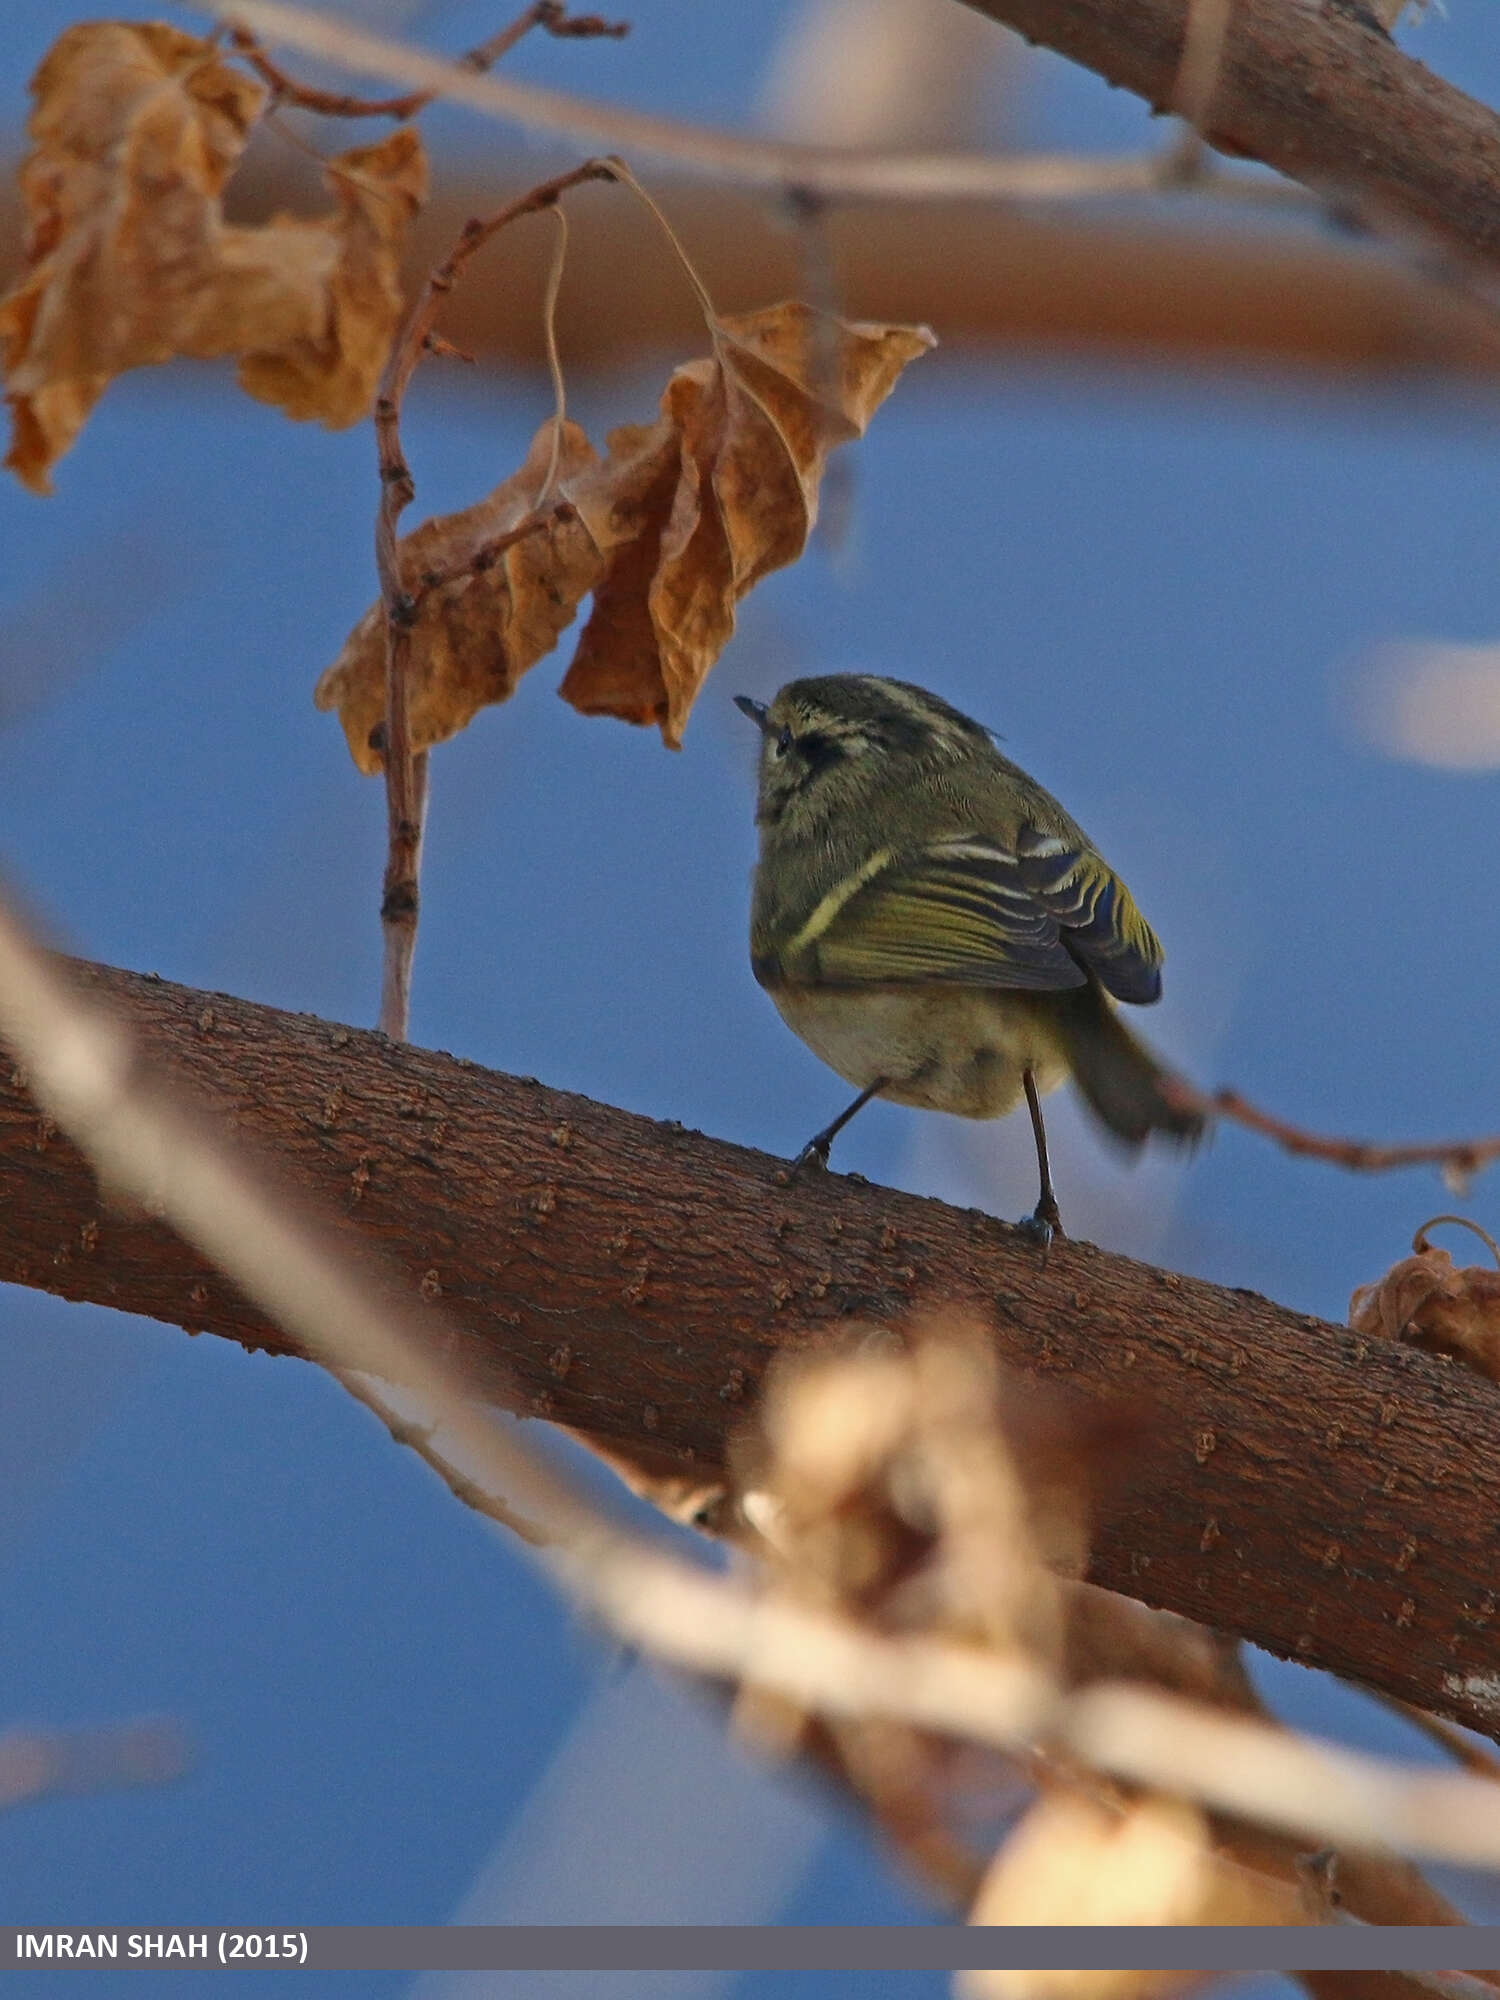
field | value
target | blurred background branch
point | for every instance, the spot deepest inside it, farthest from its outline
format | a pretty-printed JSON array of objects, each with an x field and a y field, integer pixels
[
  {"x": 1149, "y": 276},
  {"x": 43, "y": 1763}
]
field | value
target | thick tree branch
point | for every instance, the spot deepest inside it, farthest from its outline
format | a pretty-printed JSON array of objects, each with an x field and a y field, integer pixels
[
  {"x": 1331, "y": 1498},
  {"x": 1313, "y": 91},
  {"x": 154, "y": 1148}
]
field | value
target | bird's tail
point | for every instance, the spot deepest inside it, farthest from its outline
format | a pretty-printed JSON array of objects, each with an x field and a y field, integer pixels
[{"x": 1123, "y": 1084}]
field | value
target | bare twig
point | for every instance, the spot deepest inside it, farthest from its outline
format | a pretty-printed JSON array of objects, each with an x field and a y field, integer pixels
[
  {"x": 1458, "y": 1743},
  {"x": 545, "y": 14},
  {"x": 420, "y": 1438},
  {"x": 836, "y": 173},
  {"x": 406, "y": 769},
  {"x": 489, "y": 553},
  {"x": 1459, "y": 1158}
]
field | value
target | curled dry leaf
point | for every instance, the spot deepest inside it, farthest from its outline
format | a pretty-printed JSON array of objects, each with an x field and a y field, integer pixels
[
  {"x": 1075, "y": 1861},
  {"x": 726, "y": 486},
  {"x": 311, "y": 306},
  {"x": 669, "y": 531},
  {"x": 1427, "y": 1302},
  {"x": 136, "y": 128},
  {"x": 477, "y": 632}
]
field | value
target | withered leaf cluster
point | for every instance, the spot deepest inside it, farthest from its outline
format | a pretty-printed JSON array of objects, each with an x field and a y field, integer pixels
[
  {"x": 1428, "y": 1301},
  {"x": 912, "y": 1487},
  {"x": 136, "y": 128},
  {"x": 1076, "y": 1860},
  {"x": 668, "y": 531}
]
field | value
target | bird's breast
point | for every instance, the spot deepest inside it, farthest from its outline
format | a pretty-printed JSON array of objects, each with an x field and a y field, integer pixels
[{"x": 957, "y": 1049}]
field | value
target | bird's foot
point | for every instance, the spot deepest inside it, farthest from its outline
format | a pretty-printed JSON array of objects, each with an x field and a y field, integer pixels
[
  {"x": 814, "y": 1156},
  {"x": 1044, "y": 1224}
]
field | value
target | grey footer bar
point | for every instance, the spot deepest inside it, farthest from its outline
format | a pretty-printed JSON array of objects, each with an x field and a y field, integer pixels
[{"x": 756, "y": 1948}]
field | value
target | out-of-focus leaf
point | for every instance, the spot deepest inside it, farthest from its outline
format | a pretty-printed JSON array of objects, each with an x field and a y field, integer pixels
[
  {"x": 135, "y": 129},
  {"x": 1428, "y": 1302},
  {"x": 1075, "y": 1861}
]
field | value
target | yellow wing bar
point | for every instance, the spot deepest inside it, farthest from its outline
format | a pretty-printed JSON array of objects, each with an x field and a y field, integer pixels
[{"x": 971, "y": 912}]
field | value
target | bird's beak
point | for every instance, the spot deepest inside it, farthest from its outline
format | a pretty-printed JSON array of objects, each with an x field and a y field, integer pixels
[{"x": 757, "y": 711}]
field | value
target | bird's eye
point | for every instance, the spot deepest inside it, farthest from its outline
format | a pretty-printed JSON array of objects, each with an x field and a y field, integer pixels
[{"x": 783, "y": 742}]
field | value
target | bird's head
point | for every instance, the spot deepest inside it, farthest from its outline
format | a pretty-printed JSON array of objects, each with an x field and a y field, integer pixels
[{"x": 828, "y": 742}]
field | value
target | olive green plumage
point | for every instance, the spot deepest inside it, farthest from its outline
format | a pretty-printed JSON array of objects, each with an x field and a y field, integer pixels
[{"x": 928, "y": 918}]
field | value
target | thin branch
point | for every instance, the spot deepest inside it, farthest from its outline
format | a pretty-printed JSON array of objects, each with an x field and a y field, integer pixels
[
  {"x": 140, "y": 1141},
  {"x": 1133, "y": 1643},
  {"x": 489, "y": 553},
  {"x": 1458, "y": 1158},
  {"x": 1458, "y": 1743},
  {"x": 421, "y": 1439},
  {"x": 836, "y": 173},
  {"x": 406, "y": 768},
  {"x": 546, "y": 14}
]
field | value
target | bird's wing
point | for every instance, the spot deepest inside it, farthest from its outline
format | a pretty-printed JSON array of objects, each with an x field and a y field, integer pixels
[
  {"x": 972, "y": 911},
  {"x": 1096, "y": 914}
]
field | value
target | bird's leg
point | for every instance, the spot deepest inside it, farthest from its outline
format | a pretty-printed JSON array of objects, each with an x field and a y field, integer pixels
[
  {"x": 1044, "y": 1222},
  {"x": 816, "y": 1149}
]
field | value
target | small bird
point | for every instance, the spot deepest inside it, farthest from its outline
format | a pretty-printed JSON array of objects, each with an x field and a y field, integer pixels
[{"x": 937, "y": 929}]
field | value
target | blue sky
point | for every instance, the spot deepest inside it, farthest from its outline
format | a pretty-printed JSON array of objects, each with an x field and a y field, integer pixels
[{"x": 1154, "y": 587}]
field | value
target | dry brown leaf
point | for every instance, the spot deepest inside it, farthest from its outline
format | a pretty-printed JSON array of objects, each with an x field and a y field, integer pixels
[
  {"x": 1073, "y": 1861},
  {"x": 476, "y": 635},
  {"x": 626, "y": 506},
  {"x": 135, "y": 130},
  {"x": 668, "y": 533},
  {"x": 752, "y": 425},
  {"x": 311, "y": 307},
  {"x": 1427, "y": 1302}
]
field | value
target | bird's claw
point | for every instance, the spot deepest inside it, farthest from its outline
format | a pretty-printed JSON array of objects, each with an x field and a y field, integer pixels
[
  {"x": 1043, "y": 1225},
  {"x": 813, "y": 1154}
]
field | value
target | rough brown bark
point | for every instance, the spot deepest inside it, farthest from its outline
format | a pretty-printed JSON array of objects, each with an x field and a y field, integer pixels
[
  {"x": 1312, "y": 90},
  {"x": 1335, "y": 1500}
]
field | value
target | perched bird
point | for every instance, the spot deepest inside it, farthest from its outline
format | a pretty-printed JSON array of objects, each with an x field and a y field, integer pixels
[{"x": 937, "y": 929}]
